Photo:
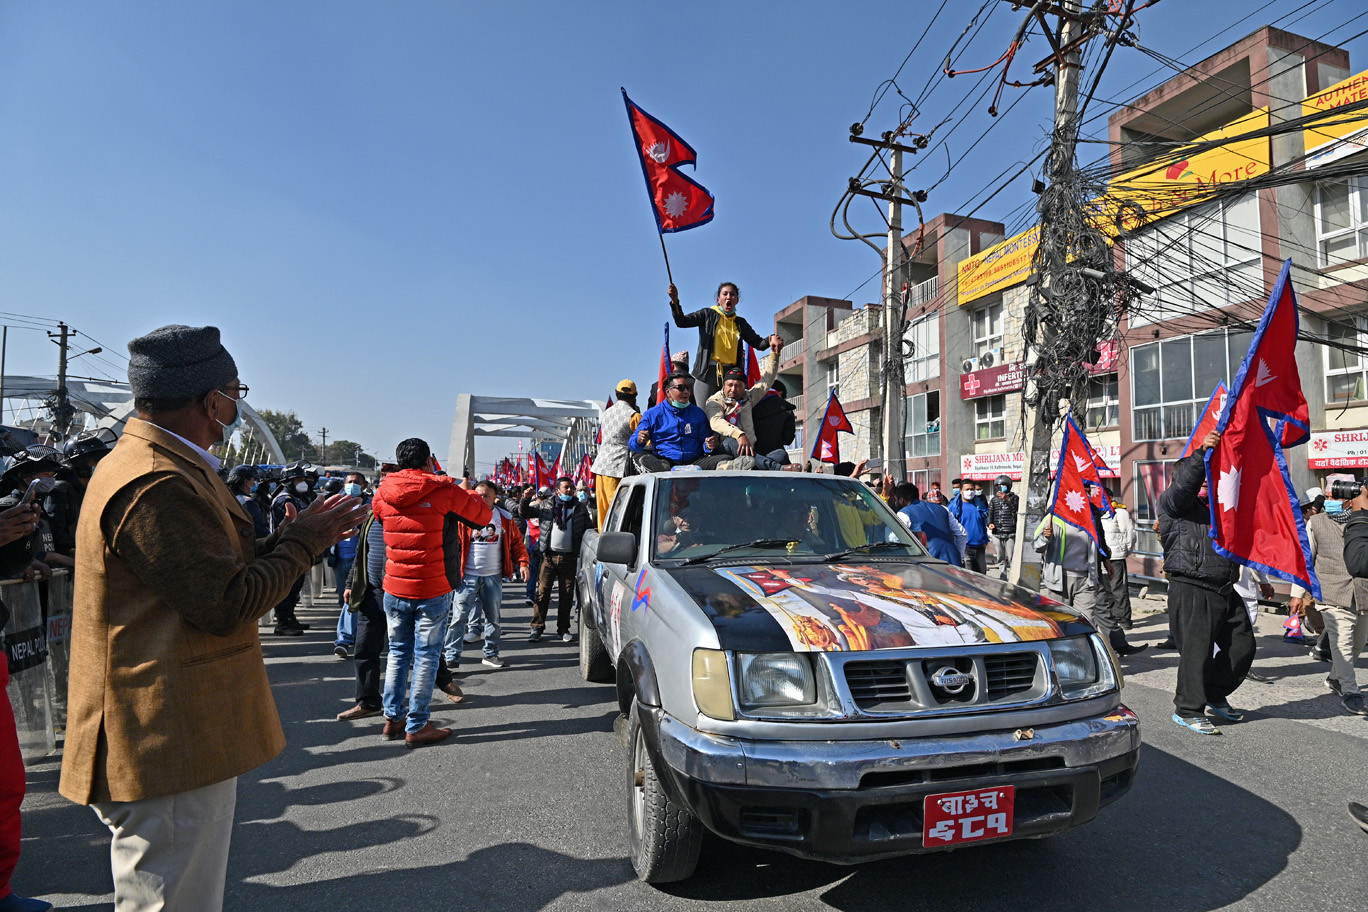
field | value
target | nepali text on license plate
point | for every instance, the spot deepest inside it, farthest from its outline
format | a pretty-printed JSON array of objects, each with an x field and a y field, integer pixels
[{"x": 957, "y": 817}]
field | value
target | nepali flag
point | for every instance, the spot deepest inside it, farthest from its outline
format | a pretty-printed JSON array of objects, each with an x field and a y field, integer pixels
[
  {"x": 1211, "y": 413},
  {"x": 665, "y": 367},
  {"x": 825, "y": 448},
  {"x": 541, "y": 478},
  {"x": 582, "y": 472},
  {"x": 752, "y": 368},
  {"x": 1075, "y": 474},
  {"x": 679, "y": 203},
  {"x": 1255, "y": 517},
  {"x": 556, "y": 468}
]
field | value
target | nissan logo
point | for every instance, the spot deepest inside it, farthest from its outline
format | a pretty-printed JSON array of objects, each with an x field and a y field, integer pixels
[{"x": 950, "y": 680}]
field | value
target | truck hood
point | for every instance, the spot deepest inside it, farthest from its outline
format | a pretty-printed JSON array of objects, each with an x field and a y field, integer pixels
[{"x": 780, "y": 607}]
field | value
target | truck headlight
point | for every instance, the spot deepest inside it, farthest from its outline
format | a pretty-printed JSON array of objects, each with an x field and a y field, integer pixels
[
  {"x": 1083, "y": 666},
  {"x": 712, "y": 684},
  {"x": 776, "y": 679}
]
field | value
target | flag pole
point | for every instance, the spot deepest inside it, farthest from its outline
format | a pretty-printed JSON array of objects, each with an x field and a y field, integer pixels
[{"x": 667, "y": 257}]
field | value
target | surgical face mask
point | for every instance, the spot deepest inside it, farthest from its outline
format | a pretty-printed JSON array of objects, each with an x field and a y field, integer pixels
[
  {"x": 301, "y": 487},
  {"x": 231, "y": 427},
  {"x": 1002, "y": 488},
  {"x": 678, "y": 405},
  {"x": 353, "y": 489},
  {"x": 1334, "y": 506},
  {"x": 968, "y": 495},
  {"x": 44, "y": 485},
  {"x": 583, "y": 496},
  {"x": 565, "y": 498}
]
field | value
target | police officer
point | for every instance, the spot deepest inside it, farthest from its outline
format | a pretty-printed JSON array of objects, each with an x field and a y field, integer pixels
[{"x": 296, "y": 489}]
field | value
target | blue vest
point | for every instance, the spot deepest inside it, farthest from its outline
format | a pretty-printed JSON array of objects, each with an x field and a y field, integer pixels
[{"x": 933, "y": 521}]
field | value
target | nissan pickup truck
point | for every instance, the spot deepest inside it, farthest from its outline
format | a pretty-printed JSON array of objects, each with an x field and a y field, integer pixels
[{"x": 796, "y": 672}]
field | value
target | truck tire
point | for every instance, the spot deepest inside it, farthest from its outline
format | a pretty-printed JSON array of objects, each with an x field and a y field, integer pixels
[
  {"x": 593, "y": 657},
  {"x": 663, "y": 837}
]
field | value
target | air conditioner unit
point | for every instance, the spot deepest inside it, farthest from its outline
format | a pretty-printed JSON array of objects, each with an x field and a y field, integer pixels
[
  {"x": 969, "y": 365},
  {"x": 990, "y": 356}
]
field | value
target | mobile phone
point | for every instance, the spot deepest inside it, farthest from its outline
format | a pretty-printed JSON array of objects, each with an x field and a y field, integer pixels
[
  {"x": 874, "y": 464},
  {"x": 32, "y": 493}
]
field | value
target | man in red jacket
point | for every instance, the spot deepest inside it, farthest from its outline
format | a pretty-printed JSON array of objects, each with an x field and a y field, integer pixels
[{"x": 420, "y": 513}]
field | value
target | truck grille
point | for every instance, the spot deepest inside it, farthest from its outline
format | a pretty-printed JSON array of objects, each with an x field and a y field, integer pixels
[
  {"x": 1009, "y": 674},
  {"x": 873, "y": 683}
]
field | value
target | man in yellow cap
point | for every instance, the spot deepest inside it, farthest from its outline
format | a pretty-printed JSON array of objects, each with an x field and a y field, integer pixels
[{"x": 610, "y": 465}]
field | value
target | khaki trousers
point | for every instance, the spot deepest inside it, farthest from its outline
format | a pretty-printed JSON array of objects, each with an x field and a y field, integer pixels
[
  {"x": 1348, "y": 632},
  {"x": 171, "y": 852}
]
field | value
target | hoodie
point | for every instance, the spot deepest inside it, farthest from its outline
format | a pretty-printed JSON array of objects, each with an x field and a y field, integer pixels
[{"x": 420, "y": 514}]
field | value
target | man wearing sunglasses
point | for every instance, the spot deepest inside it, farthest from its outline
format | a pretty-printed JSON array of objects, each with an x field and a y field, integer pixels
[
  {"x": 673, "y": 433},
  {"x": 169, "y": 700}
]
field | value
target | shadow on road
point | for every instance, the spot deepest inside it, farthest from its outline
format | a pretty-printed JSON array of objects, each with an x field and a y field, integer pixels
[{"x": 1170, "y": 845}]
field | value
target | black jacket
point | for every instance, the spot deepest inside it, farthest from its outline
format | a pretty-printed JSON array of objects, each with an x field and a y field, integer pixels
[
  {"x": 1184, "y": 524},
  {"x": 545, "y": 515},
  {"x": 704, "y": 369},
  {"x": 1356, "y": 544},
  {"x": 63, "y": 508},
  {"x": 1002, "y": 513},
  {"x": 775, "y": 426}
]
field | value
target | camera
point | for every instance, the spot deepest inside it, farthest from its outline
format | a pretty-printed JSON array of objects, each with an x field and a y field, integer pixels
[{"x": 1347, "y": 490}]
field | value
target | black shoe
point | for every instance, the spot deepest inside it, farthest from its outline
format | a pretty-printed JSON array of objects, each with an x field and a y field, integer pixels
[
  {"x": 1333, "y": 685},
  {"x": 1359, "y": 813},
  {"x": 1166, "y": 644},
  {"x": 1319, "y": 655},
  {"x": 535, "y": 635},
  {"x": 284, "y": 630},
  {"x": 1129, "y": 650},
  {"x": 1353, "y": 703}
]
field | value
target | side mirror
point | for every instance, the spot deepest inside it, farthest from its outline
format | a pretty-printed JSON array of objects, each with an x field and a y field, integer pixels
[{"x": 617, "y": 548}]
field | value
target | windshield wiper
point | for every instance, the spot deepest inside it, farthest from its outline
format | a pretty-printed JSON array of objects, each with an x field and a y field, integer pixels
[
  {"x": 865, "y": 549},
  {"x": 758, "y": 543}
]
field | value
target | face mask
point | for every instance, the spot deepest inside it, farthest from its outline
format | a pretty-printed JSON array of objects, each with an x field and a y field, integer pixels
[
  {"x": 968, "y": 495},
  {"x": 231, "y": 427},
  {"x": 565, "y": 498},
  {"x": 353, "y": 489},
  {"x": 583, "y": 496},
  {"x": 302, "y": 487},
  {"x": 45, "y": 485},
  {"x": 1334, "y": 506},
  {"x": 1002, "y": 488},
  {"x": 678, "y": 405}
]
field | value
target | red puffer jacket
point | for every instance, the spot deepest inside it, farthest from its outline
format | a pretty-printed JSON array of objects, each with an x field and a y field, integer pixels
[{"x": 419, "y": 513}]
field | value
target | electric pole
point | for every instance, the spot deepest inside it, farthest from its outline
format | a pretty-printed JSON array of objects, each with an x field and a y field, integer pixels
[
  {"x": 62, "y": 412},
  {"x": 1040, "y": 420},
  {"x": 323, "y": 453},
  {"x": 893, "y": 393}
]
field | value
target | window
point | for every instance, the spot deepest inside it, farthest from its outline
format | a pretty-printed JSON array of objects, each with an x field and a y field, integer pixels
[
  {"x": 1342, "y": 220},
  {"x": 1104, "y": 403},
  {"x": 922, "y": 424},
  {"x": 1171, "y": 380},
  {"x": 834, "y": 376},
  {"x": 1151, "y": 478},
  {"x": 1210, "y": 256},
  {"x": 987, "y": 326},
  {"x": 990, "y": 421},
  {"x": 921, "y": 349},
  {"x": 1344, "y": 370},
  {"x": 798, "y": 437}
]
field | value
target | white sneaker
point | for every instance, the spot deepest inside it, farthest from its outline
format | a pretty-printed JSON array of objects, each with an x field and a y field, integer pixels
[
  {"x": 472, "y": 637},
  {"x": 494, "y": 662},
  {"x": 567, "y": 638}
]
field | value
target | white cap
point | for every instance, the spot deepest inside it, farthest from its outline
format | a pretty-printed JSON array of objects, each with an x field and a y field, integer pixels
[{"x": 1313, "y": 493}]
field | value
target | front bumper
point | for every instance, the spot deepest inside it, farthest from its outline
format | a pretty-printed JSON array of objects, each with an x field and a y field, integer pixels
[{"x": 853, "y": 801}]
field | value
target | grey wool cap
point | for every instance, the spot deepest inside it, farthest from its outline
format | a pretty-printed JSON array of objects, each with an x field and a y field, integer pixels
[{"x": 179, "y": 362}]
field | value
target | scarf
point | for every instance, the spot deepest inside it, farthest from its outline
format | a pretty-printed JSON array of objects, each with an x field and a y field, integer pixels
[{"x": 561, "y": 512}]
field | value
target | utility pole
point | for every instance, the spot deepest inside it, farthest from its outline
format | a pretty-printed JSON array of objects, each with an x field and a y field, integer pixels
[
  {"x": 323, "y": 454},
  {"x": 893, "y": 393},
  {"x": 4, "y": 346},
  {"x": 1040, "y": 420},
  {"x": 62, "y": 412}
]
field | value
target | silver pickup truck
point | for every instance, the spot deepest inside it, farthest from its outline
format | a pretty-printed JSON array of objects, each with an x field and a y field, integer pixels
[{"x": 796, "y": 672}]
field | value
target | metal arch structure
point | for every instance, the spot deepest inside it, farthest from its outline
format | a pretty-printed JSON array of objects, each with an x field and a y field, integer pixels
[
  {"x": 573, "y": 422},
  {"x": 110, "y": 405}
]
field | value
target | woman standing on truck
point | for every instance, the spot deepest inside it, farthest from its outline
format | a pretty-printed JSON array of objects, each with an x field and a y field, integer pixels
[{"x": 720, "y": 334}]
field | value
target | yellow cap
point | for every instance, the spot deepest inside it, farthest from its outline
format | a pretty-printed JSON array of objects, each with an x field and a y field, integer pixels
[{"x": 626, "y": 386}]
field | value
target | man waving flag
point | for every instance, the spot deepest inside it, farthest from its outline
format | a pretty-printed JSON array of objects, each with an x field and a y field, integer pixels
[
  {"x": 1206, "y": 423},
  {"x": 1255, "y": 520}
]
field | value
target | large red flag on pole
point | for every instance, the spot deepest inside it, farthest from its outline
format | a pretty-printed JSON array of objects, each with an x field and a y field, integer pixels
[
  {"x": 1255, "y": 517},
  {"x": 1211, "y": 413},
  {"x": 825, "y": 448},
  {"x": 678, "y": 202},
  {"x": 665, "y": 367},
  {"x": 1075, "y": 474}
]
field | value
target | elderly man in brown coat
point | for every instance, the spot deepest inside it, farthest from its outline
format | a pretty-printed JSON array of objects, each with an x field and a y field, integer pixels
[{"x": 169, "y": 700}]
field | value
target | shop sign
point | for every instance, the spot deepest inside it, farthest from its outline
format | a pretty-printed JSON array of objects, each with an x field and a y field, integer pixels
[
  {"x": 1338, "y": 450},
  {"x": 987, "y": 466},
  {"x": 993, "y": 381},
  {"x": 1328, "y": 142},
  {"x": 1003, "y": 265}
]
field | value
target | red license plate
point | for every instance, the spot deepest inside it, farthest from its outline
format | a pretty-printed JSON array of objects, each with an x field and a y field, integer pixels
[{"x": 956, "y": 817}]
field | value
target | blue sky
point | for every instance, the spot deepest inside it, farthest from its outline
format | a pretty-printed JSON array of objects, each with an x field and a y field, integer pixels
[{"x": 386, "y": 205}]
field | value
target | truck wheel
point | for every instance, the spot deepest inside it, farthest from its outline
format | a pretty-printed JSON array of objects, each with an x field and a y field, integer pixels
[
  {"x": 664, "y": 837},
  {"x": 594, "y": 664}
]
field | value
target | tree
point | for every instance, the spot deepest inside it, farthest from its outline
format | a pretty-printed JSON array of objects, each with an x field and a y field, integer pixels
[
  {"x": 289, "y": 433},
  {"x": 349, "y": 452}
]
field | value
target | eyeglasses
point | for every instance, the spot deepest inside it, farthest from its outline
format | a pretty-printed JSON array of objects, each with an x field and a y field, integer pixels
[
  {"x": 682, "y": 387},
  {"x": 238, "y": 392}
]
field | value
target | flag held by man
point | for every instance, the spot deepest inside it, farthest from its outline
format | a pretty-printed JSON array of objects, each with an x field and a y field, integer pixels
[
  {"x": 1076, "y": 478},
  {"x": 1211, "y": 414},
  {"x": 825, "y": 448},
  {"x": 1255, "y": 517},
  {"x": 679, "y": 203}
]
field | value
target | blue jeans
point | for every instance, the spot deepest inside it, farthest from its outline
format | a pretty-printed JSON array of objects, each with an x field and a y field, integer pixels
[
  {"x": 346, "y": 621},
  {"x": 416, "y": 629},
  {"x": 533, "y": 570},
  {"x": 476, "y": 594}
]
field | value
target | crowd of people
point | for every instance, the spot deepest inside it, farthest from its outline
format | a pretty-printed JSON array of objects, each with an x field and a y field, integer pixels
[{"x": 184, "y": 556}]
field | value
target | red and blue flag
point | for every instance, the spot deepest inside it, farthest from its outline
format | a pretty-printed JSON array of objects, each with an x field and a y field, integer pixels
[
  {"x": 679, "y": 203},
  {"x": 1075, "y": 474},
  {"x": 665, "y": 367},
  {"x": 1211, "y": 413},
  {"x": 1255, "y": 516},
  {"x": 826, "y": 448}
]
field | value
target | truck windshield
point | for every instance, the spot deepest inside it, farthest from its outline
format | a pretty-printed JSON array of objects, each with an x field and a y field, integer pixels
[{"x": 698, "y": 514}]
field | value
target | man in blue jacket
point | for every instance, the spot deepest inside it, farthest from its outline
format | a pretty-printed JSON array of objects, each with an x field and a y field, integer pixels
[
  {"x": 972, "y": 514},
  {"x": 673, "y": 433},
  {"x": 939, "y": 531}
]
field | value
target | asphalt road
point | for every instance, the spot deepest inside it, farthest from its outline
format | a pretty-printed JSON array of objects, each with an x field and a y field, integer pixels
[{"x": 525, "y": 808}]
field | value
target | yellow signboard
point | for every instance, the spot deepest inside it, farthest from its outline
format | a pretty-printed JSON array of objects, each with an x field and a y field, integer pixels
[
  {"x": 1001, "y": 266},
  {"x": 1187, "y": 177},
  {"x": 1345, "y": 134}
]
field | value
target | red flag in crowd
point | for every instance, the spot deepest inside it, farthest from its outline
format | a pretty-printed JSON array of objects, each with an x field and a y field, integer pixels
[
  {"x": 1074, "y": 476},
  {"x": 825, "y": 448},
  {"x": 582, "y": 473},
  {"x": 752, "y": 368},
  {"x": 1211, "y": 413},
  {"x": 540, "y": 476},
  {"x": 556, "y": 471},
  {"x": 598, "y": 437},
  {"x": 664, "y": 367},
  {"x": 679, "y": 203},
  {"x": 1255, "y": 520}
]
